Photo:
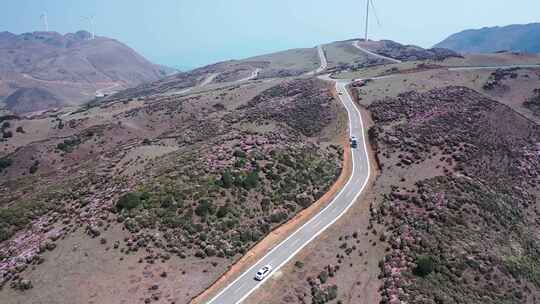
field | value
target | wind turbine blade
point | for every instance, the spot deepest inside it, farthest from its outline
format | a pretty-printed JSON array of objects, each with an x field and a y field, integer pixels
[{"x": 375, "y": 13}]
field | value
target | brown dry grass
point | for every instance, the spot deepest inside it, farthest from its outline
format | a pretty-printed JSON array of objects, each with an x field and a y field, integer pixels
[{"x": 81, "y": 270}]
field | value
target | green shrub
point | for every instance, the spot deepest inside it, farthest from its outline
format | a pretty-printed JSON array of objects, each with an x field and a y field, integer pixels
[
  {"x": 7, "y": 134},
  {"x": 424, "y": 266},
  {"x": 239, "y": 153},
  {"x": 68, "y": 145},
  {"x": 278, "y": 217},
  {"x": 240, "y": 163},
  {"x": 222, "y": 211},
  {"x": 128, "y": 201},
  {"x": 227, "y": 179},
  {"x": 323, "y": 276},
  {"x": 251, "y": 180},
  {"x": 204, "y": 208},
  {"x": 266, "y": 203},
  {"x": 4, "y": 235},
  {"x": 230, "y": 224},
  {"x": 35, "y": 166},
  {"x": 4, "y": 163},
  {"x": 13, "y": 219},
  {"x": 526, "y": 266},
  {"x": 332, "y": 292},
  {"x": 166, "y": 202},
  {"x": 171, "y": 220},
  {"x": 286, "y": 160}
]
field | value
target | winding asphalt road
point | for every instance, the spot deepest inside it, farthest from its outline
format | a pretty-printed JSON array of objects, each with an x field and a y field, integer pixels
[
  {"x": 244, "y": 285},
  {"x": 253, "y": 75},
  {"x": 356, "y": 44},
  {"x": 206, "y": 81}
]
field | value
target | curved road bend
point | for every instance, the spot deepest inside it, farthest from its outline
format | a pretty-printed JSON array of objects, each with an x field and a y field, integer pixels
[
  {"x": 206, "y": 81},
  {"x": 212, "y": 76},
  {"x": 356, "y": 44},
  {"x": 244, "y": 285},
  {"x": 253, "y": 75}
]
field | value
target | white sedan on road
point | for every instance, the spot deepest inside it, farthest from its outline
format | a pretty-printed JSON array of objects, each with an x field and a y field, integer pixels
[{"x": 263, "y": 272}]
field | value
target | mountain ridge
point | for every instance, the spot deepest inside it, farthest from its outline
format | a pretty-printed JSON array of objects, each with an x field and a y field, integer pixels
[
  {"x": 515, "y": 37},
  {"x": 70, "y": 67}
]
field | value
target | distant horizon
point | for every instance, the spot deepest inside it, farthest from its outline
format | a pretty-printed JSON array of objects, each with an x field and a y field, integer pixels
[
  {"x": 192, "y": 34},
  {"x": 184, "y": 68}
]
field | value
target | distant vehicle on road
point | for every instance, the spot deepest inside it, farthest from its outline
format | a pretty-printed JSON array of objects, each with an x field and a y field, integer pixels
[
  {"x": 263, "y": 272},
  {"x": 354, "y": 142}
]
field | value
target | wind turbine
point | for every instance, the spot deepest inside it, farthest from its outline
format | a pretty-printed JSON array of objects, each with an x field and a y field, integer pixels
[
  {"x": 91, "y": 21},
  {"x": 45, "y": 21}
]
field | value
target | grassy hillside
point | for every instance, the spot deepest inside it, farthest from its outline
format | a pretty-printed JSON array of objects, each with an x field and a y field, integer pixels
[{"x": 179, "y": 187}]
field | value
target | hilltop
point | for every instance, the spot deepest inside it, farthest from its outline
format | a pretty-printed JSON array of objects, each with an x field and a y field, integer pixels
[
  {"x": 44, "y": 70},
  {"x": 517, "y": 38}
]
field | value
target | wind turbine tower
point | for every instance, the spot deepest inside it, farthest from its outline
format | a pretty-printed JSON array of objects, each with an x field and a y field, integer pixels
[
  {"x": 45, "y": 21},
  {"x": 91, "y": 21},
  {"x": 367, "y": 19}
]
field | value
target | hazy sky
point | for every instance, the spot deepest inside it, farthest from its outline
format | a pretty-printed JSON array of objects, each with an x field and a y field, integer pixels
[{"x": 192, "y": 33}]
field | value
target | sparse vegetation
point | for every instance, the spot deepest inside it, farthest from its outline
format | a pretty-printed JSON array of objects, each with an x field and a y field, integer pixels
[
  {"x": 228, "y": 201},
  {"x": 496, "y": 78},
  {"x": 68, "y": 145},
  {"x": 462, "y": 202},
  {"x": 196, "y": 182}
]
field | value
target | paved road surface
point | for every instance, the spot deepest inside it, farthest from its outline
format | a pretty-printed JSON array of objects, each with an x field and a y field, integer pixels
[
  {"x": 242, "y": 287},
  {"x": 469, "y": 68},
  {"x": 472, "y": 68},
  {"x": 107, "y": 90},
  {"x": 204, "y": 83},
  {"x": 253, "y": 75},
  {"x": 356, "y": 44},
  {"x": 324, "y": 62},
  {"x": 208, "y": 80}
]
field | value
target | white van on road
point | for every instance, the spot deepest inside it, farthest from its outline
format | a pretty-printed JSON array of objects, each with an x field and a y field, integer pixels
[{"x": 263, "y": 272}]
